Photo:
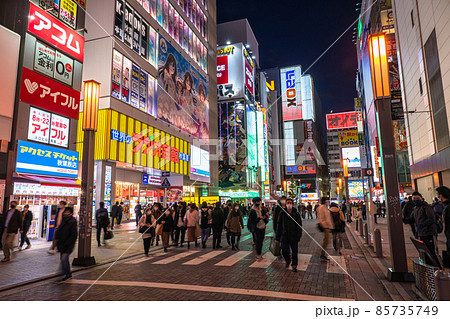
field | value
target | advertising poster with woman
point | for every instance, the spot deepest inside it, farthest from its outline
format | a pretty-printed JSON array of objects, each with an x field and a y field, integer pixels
[{"x": 182, "y": 94}]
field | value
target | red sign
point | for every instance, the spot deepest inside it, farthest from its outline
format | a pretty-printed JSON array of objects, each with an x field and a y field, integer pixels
[
  {"x": 48, "y": 94},
  {"x": 249, "y": 77},
  {"x": 55, "y": 32},
  {"x": 337, "y": 121},
  {"x": 222, "y": 69}
]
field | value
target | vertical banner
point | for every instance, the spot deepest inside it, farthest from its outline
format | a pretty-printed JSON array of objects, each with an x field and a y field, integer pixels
[
  {"x": 135, "y": 85},
  {"x": 68, "y": 13},
  {"x": 152, "y": 39},
  {"x": 291, "y": 93},
  {"x": 144, "y": 40},
  {"x": 143, "y": 90},
  {"x": 118, "y": 20},
  {"x": 137, "y": 33},
  {"x": 126, "y": 73},
  {"x": 151, "y": 95},
  {"x": 116, "y": 74},
  {"x": 128, "y": 26}
]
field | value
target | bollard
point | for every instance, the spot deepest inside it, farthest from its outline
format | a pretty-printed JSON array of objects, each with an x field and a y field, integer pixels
[
  {"x": 361, "y": 229},
  {"x": 442, "y": 285},
  {"x": 378, "y": 246},
  {"x": 366, "y": 234}
]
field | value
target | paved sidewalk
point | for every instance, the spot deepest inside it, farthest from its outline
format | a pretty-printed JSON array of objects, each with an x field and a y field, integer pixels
[{"x": 35, "y": 263}]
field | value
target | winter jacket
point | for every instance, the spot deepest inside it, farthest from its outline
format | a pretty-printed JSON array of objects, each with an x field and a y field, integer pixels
[
  {"x": 191, "y": 218},
  {"x": 235, "y": 222},
  {"x": 289, "y": 226},
  {"x": 324, "y": 216},
  {"x": 217, "y": 219},
  {"x": 253, "y": 218},
  {"x": 168, "y": 225},
  {"x": 438, "y": 207},
  {"x": 101, "y": 217},
  {"x": 338, "y": 219},
  {"x": 66, "y": 235},
  {"x": 226, "y": 211},
  {"x": 276, "y": 215},
  {"x": 208, "y": 219},
  {"x": 27, "y": 219},
  {"x": 15, "y": 223},
  {"x": 178, "y": 213},
  {"x": 425, "y": 220},
  {"x": 149, "y": 223},
  {"x": 115, "y": 211}
]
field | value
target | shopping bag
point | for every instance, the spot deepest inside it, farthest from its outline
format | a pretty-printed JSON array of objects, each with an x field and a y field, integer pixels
[
  {"x": 159, "y": 229},
  {"x": 108, "y": 235},
  {"x": 274, "y": 247}
]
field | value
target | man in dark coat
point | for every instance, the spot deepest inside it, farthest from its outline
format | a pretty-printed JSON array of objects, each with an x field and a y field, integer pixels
[
  {"x": 11, "y": 224},
  {"x": 114, "y": 214},
  {"x": 407, "y": 211},
  {"x": 277, "y": 212},
  {"x": 138, "y": 212},
  {"x": 289, "y": 232},
  {"x": 120, "y": 213},
  {"x": 26, "y": 224},
  {"x": 66, "y": 238},
  {"x": 102, "y": 219},
  {"x": 217, "y": 225}
]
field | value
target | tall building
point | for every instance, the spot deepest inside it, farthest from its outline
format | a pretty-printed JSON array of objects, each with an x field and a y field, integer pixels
[
  {"x": 155, "y": 60},
  {"x": 43, "y": 60},
  {"x": 422, "y": 35}
]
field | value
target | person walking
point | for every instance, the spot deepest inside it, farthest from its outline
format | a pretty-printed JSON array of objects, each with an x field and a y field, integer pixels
[
  {"x": 326, "y": 224},
  {"x": 27, "y": 217},
  {"x": 138, "y": 212},
  {"x": 444, "y": 196},
  {"x": 58, "y": 219},
  {"x": 114, "y": 214},
  {"x": 289, "y": 233},
  {"x": 309, "y": 210},
  {"x": 167, "y": 221},
  {"x": 235, "y": 223},
  {"x": 339, "y": 227},
  {"x": 102, "y": 219},
  {"x": 407, "y": 213},
  {"x": 226, "y": 212},
  {"x": 147, "y": 229},
  {"x": 217, "y": 225},
  {"x": 157, "y": 212},
  {"x": 120, "y": 214},
  {"x": 425, "y": 220},
  {"x": 66, "y": 238},
  {"x": 192, "y": 221},
  {"x": 258, "y": 220},
  {"x": 11, "y": 225},
  {"x": 180, "y": 226},
  {"x": 205, "y": 223}
]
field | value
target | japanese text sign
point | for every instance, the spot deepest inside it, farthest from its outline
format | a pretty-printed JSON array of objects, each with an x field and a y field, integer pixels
[
  {"x": 40, "y": 159},
  {"x": 337, "y": 121},
  {"x": 302, "y": 169},
  {"x": 55, "y": 32},
  {"x": 39, "y": 125},
  {"x": 48, "y": 94},
  {"x": 348, "y": 138},
  {"x": 59, "y": 132}
]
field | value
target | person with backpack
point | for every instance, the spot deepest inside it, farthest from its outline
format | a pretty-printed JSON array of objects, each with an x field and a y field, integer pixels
[
  {"x": 66, "y": 238},
  {"x": 205, "y": 223},
  {"x": 102, "y": 219},
  {"x": 147, "y": 229},
  {"x": 339, "y": 227},
  {"x": 425, "y": 220},
  {"x": 217, "y": 225},
  {"x": 235, "y": 223},
  {"x": 258, "y": 219},
  {"x": 407, "y": 211},
  {"x": 289, "y": 233}
]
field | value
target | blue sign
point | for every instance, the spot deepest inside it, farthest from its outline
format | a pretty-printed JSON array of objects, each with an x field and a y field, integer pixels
[
  {"x": 184, "y": 157},
  {"x": 145, "y": 179},
  {"x": 165, "y": 183},
  {"x": 165, "y": 174},
  {"x": 40, "y": 159},
  {"x": 120, "y": 137}
]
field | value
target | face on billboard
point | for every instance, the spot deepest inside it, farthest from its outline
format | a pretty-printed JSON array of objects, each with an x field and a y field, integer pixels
[
  {"x": 353, "y": 156},
  {"x": 230, "y": 72},
  {"x": 183, "y": 94},
  {"x": 291, "y": 93}
]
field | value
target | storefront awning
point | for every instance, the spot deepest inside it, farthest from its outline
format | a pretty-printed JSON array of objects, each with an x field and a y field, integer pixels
[{"x": 50, "y": 181}]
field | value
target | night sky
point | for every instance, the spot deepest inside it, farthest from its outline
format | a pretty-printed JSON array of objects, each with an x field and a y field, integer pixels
[{"x": 291, "y": 32}]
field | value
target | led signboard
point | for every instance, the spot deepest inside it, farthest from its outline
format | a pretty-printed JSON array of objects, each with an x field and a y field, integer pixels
[
  {"x": 230, "y": 72},
  {"x": 291, "y": 93},
  {"x": 336, "y": 121},
  {"x": 348, "y": 138},
  {"x": 352, "y": 154},
  {"x": 199, "y": 161}
]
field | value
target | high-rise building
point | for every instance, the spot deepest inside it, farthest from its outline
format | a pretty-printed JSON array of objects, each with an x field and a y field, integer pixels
[{"x": 422, "y": 36}]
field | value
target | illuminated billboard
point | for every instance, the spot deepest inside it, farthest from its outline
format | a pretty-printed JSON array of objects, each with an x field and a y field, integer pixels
[
  {"x": 291, "y": 93},
  {"x": 230, "y": 72},
  {"x": 307, "y": 98},
  {"x": 355, "y": 189},
  {"x": 353, "y": 156},
  {"x": 336, "y": 121},
  {"x": 348, "y": 138}
]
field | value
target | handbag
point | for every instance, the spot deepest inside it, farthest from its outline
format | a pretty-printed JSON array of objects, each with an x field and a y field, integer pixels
[
  {"x": 274, "y": 247},
  {"x": 320, "y": 227},
  {"x": 108, "y": 235},
  {"x": 159, "y": 229}
]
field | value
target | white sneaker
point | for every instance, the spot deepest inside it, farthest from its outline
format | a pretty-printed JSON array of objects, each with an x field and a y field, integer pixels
[{"x": 51, "y": 252}]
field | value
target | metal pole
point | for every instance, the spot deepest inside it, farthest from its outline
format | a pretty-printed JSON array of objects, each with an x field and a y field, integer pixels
[
  {"x": 399, "y": 270},
  {"x": 347, "y": 203},
  {"x": 84, "y": 257}
]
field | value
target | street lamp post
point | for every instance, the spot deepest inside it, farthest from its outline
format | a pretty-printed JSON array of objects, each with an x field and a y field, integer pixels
[
  {"x": 347, "y": 195},
  {"x": 90, "y": 121},
  {"x": 381, "y": 90}
]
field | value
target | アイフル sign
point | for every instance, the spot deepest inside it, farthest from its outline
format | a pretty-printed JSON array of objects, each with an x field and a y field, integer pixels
[
  {"x": 55, "y": 32},
  {"x": 43, "y": 92}
]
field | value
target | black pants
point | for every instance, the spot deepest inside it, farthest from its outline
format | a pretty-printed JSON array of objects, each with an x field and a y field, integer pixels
[
  {"x": 431, "y": 245},
  {"x": 289, "y": 249},
  {"x": 119, "y": 218},
  {"x": 99, "y": 230},
  {"x": 147, "y": 244},
  {"x": 138, "y": 217},
  {"x": 259, "y": 236},
  {"x": 112, "y": 222},
  {"x": 235, "y": 238},
  {"x": 24, "y": 237},
  {"x": 228, "y": 235},
  {"x": 180, "y": 233},
  {"x": 217, "y": 236}
]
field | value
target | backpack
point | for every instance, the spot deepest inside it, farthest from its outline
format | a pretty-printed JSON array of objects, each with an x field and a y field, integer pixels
[
  {"x": 336, "y": 220},
  {"x": 204, "y": 220}
]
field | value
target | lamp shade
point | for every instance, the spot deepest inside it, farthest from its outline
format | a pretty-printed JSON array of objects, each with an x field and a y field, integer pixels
[
  {"x": 379, "y": 65},
  {"x": 90, "y": 105}
]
